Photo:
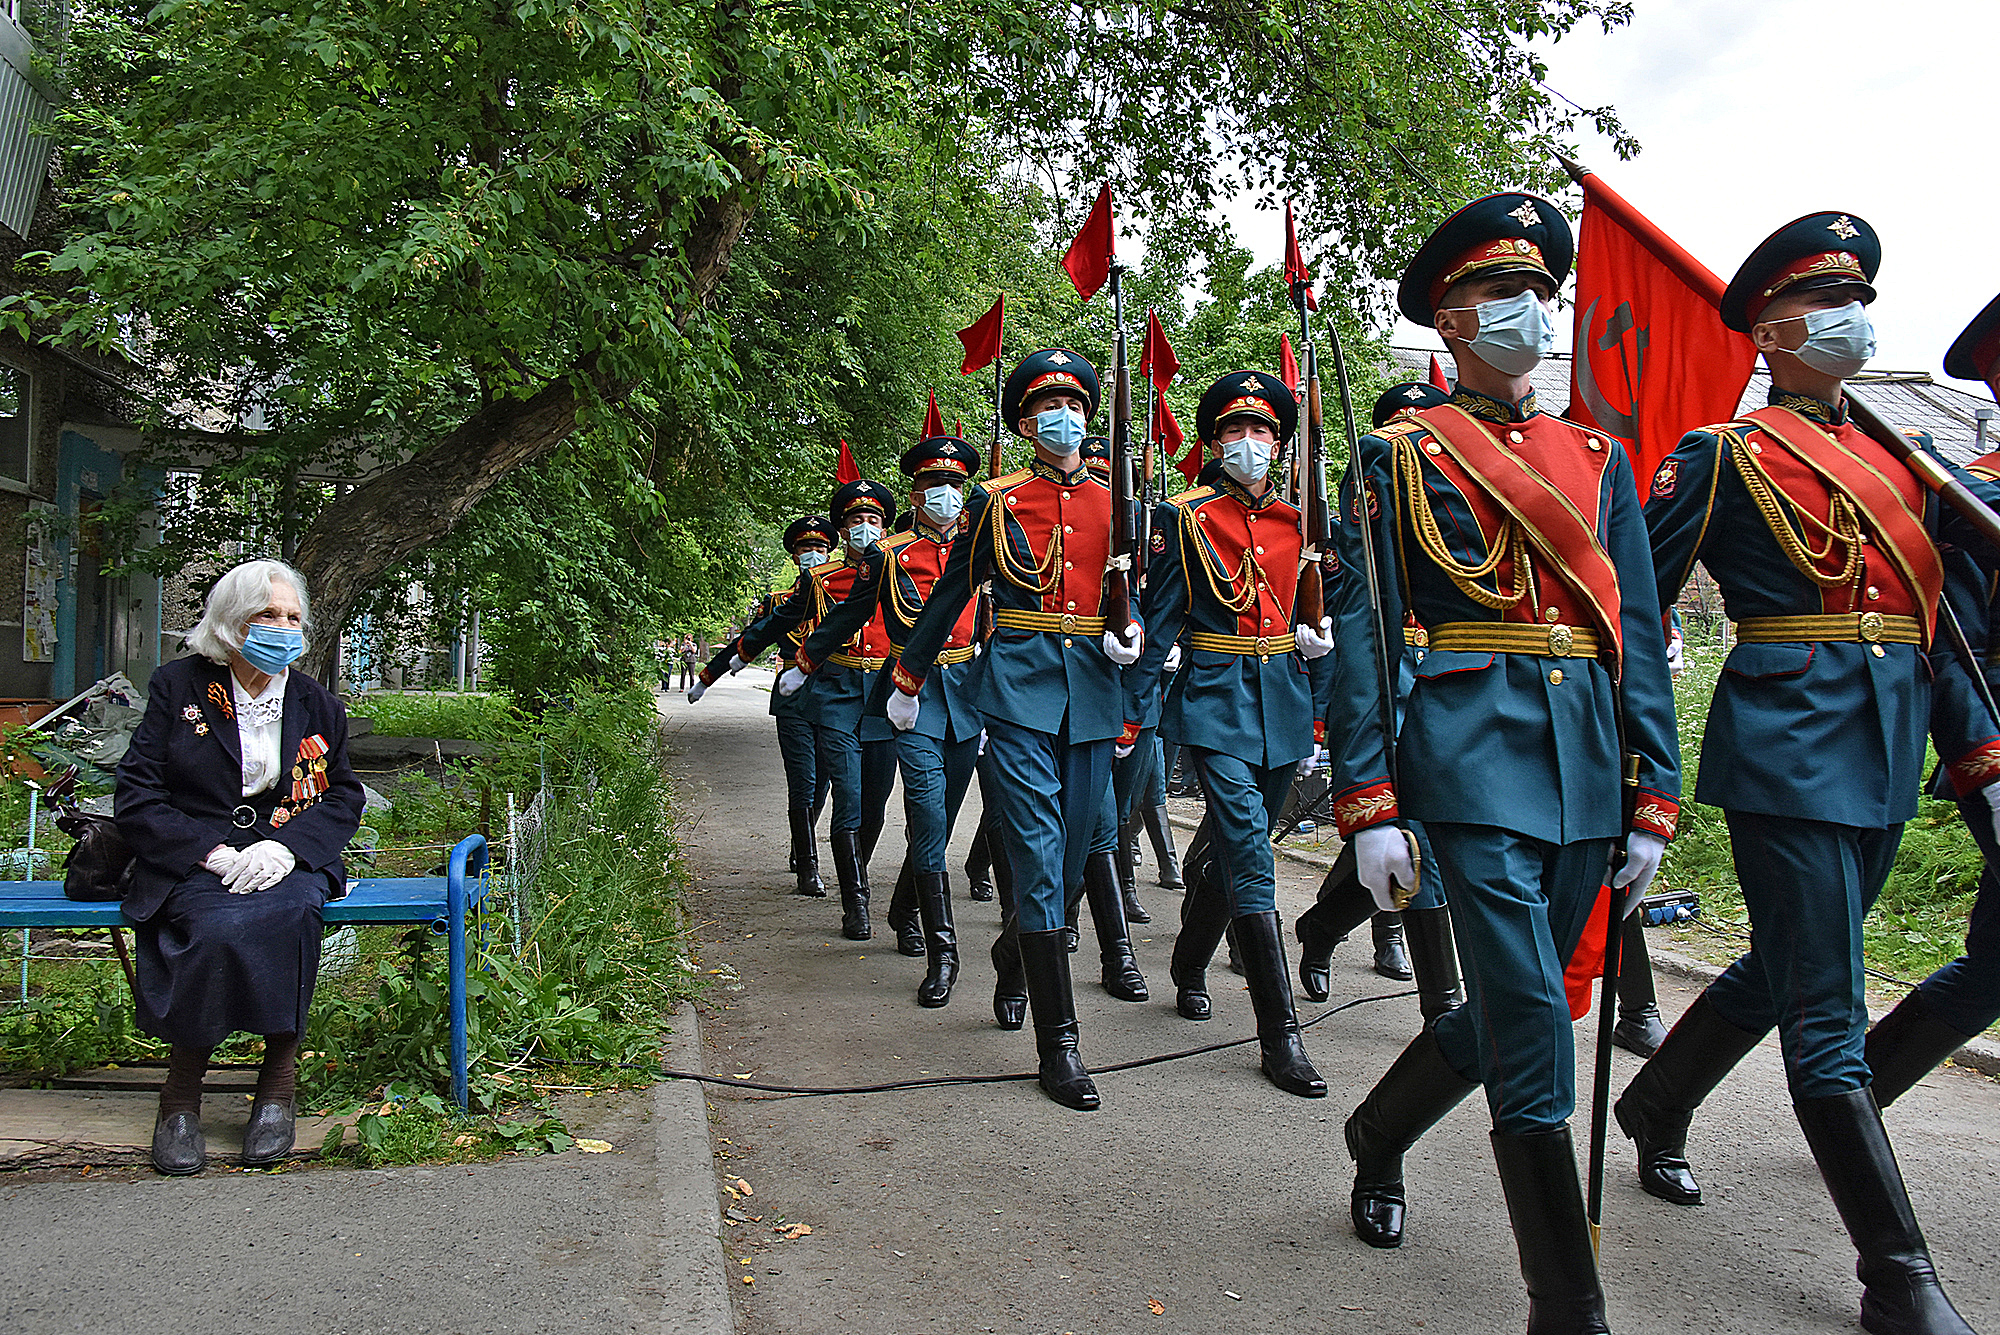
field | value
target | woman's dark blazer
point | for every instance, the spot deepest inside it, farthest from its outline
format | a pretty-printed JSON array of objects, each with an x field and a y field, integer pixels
[{"x": 181, "y": 782}]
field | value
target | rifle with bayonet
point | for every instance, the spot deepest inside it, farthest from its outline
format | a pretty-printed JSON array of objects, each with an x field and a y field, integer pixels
[
  {"x": 1116, "y": 604},
  {"x": 1315, "y": 516}
]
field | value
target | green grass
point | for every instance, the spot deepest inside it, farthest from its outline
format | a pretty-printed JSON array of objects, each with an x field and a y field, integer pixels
[{"x": 481, "y": 717}]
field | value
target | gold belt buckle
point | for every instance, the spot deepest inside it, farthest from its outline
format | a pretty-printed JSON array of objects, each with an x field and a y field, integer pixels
[
  {"x": 1264, "y": 647},
  {"x": 1871, "y": 627},
  {"x": 1068, "y": 622},
  {"x": 1561, "y": 638}
]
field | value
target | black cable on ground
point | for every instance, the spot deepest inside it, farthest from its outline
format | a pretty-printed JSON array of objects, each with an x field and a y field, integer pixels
[{"x": 938, "y": 1081}]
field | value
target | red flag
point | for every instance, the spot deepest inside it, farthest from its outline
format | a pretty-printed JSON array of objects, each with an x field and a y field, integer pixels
[
  {"x": 846, "y": 471},
  {"x": 1437, "y": 374},
  {"x": 982, "y": 338},
  {"x": 1653, "y": 359},
  {"x": 1288, "y": 363},
  {"x": 933, "y": 419},
  {"x": 1172, "y": 438},
  {"x": 1295, "y": 263},
  {"x": 1088, "y": 258},
  {"x": 1157, "y": 361}
]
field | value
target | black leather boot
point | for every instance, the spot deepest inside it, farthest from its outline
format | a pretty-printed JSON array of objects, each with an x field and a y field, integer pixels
[
  {"x": 1046, "y": 965},
  {"x": 1161, "y": 831},
  {"x": 1121, "y": 975},
  {"x": 1342, "y": 905},
  {"x": 1905, "y": 1045},
  {"x": 1010, "y": 989},
  {"x": 1639, "y": 1028},
  {"x": 1285, "y": 1063},
  {"x": 1127, "y": 846},
  {"x": 1391, "y": 961},
  {"x": 1552, "y": 1233},
  {"x": 805, "y": 855},
  {"x": 940, "y": 939},
  {"x": 1419, "y": 1088},
  {"x": 1073, "y": 919},
  {"x": 1434, "y": 959},
  {"x": 853, "y": 887},
  {"x": 1657, "y": 1107},
  {"x": 904, "y": 920},
  {"x": 978, "y": 866},
  {"x": 1900, "y": 1290},
  {"x": 1204, "y": 919}
]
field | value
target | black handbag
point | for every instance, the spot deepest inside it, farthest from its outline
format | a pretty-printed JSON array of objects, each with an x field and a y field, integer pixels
[{"x": 99, "y": 869}]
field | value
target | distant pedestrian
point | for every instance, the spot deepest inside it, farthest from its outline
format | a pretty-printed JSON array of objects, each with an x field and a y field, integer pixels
[{"x": 687, "y": 654}]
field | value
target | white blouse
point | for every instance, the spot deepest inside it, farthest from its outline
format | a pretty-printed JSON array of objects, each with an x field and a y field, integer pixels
[{"x": 260, "y": 722}]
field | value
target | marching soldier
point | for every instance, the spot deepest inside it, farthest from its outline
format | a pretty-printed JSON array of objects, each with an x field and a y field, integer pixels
[
  {"x": 1225, "y": 565},
  {"x": 1049, "y": 688},
  {"x": 1818, "y": 538},
  {"x": 1515, "y": 540},
  {"x": 937, "y": 755}
]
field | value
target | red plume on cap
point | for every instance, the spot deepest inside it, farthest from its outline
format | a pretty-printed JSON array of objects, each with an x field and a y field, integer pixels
[
  {"x": 1157, "y": 361},
  {"x": 982, "y": 338},
  {"x": 846, "y": 471},
  {"x": 1089, "y": 256},
  {"x": 1437, "y": 374},
  {"x": 933, "y": 420},
  {"x": 1288, "y": 363},
  {"x": 1295, "y": 263}
]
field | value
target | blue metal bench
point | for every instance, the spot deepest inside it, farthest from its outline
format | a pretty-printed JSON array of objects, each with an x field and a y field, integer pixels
[{"x": 436, "y": 900}]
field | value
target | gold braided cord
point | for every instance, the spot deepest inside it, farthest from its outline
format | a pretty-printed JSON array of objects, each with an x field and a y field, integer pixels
[
  {"x": 906, "y": 611},
  {"x": 1040, "y": 580},
  {"x": 1237, "y": 603},
  {"x": 1844, "y": 530},
  {"x": 1512, "y": 540}
]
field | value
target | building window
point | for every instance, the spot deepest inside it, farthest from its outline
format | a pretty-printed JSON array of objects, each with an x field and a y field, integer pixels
[{"x": 15, "y": 436}]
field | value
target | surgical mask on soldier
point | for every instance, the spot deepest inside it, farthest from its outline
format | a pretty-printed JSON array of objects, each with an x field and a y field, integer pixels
[
  {"x": 1247, "y": 459},
  {"x": 1838, "y": 343},
  {"x": 941, "y": 504},
  {"x": 810, "y": 558},
  {"x": 1514, "y": 333},
  {"x": 1060, "y": 430},
  {"x": 864, "y": 535}
]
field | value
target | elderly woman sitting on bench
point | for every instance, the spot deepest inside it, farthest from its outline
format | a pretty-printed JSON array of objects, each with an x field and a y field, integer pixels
[{"x": 237, "y": 799}]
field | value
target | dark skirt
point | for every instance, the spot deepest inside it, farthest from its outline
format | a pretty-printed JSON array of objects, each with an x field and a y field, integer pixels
[{"x": 210, "y": 963}]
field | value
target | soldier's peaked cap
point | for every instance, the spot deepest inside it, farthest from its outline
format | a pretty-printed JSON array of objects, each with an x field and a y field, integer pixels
[
  {"x": 810, "y": 526},
  {"x": 1975, "y": 354},
  {"x": 1417, "y": 394},
  {"x": 1095, "y": 447},
  {"x": 1818, "y": 250},
  {"x": 1247, "y": 394},
  {"x": 1051, "y": 368},
  {"x": 940, "y": 454},
  {"x": 861, "y": 494},
  {"x": 1500, "y": 234}
]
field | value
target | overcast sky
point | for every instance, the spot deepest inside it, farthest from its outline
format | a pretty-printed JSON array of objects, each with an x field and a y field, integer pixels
[{"x": 1752, "y": 114}]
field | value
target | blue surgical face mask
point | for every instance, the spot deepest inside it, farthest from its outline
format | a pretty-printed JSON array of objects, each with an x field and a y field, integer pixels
[
  {"x": 1514, "y": 333},
  {"x": 272, "y": 649},
  {"x": 810, "y": 558},
  {"x": 863, "y": 535},
  {"x": 1060, "y": 430},
  {"x": 941, "y": 504},
  {"x": 1247, "y": 459},
  {"x": 1838, "y": 343}
]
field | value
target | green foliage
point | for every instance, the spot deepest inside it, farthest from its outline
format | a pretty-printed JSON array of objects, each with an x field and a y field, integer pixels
[{"x": 476, "y": 718}]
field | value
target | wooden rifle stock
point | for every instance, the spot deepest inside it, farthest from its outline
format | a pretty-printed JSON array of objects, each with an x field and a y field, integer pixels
[{"x": 1926, "y": 468}]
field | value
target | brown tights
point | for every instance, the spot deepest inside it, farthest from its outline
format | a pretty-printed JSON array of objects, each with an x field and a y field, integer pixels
[
  {"x": 181, "y": 1093},
  {"x": 278, "y": 1077}
]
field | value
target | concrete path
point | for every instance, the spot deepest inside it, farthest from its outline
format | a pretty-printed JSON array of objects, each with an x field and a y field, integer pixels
[{"x": 1199, "y": 1199}]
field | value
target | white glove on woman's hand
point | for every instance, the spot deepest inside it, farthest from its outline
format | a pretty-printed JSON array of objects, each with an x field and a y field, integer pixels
[
  {"x": 222, "y": 860},
  {"x": 1642, "y": 858},
  {"x": 698, "y": 690},
  {"x": 903, "y": 710},
  {"x": 1125, "y": 652},
  {"x": 1382, "y": 861},
  {"x": 1173, "y": 663},
  {"x": 263, "y": 865},
  {"x": 1316, "y": 644},
  {"x": 789, "y": 682},
  {"x": 1676, "y": 653}
]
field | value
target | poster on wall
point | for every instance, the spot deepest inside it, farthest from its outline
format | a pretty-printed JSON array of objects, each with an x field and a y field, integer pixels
[{"x": 38, "y": 607}]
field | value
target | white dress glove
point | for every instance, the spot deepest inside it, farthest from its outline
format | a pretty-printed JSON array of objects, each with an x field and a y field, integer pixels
[
  {"x": 982, "y": 741},
  {"x": 1382, "y": 861},
  {"x": 698, "y": 690},
  {"x": 1310, "y": 765},
  {"x": 222, "y": 860},
  {"x": 1173, "y": 663},
  {"x": 1125, "y": 652},
  {"x": 262, "y": 866},
  {"x": 736, "y": 664},
  {"x": 1676, "y": 653},
  {"x": 903, "y": 710},
  {"x": 789, "y": 682},
  {"x": 1642, "y": 858},
  {"x": 1991, "y": 792},
  {"x": 1316, "y": 644}
]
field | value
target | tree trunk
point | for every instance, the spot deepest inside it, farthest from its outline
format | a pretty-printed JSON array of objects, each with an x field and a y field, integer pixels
[{"x": 363, "y": 535}]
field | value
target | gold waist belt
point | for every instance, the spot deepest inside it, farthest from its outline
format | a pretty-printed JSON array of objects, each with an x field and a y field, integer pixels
[
  {"x": 1835, "y": 627},
  {"x": 946, "y": 657},
  {"x": 1053, "y": 623},
  {"x": 1515, "y": 637},
  {"x": 1261, "y": 645},
  {"x": 855, "y": 661}
]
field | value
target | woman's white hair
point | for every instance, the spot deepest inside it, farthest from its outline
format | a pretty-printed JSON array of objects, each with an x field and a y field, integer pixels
[{"x": 238, "y": 596}]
